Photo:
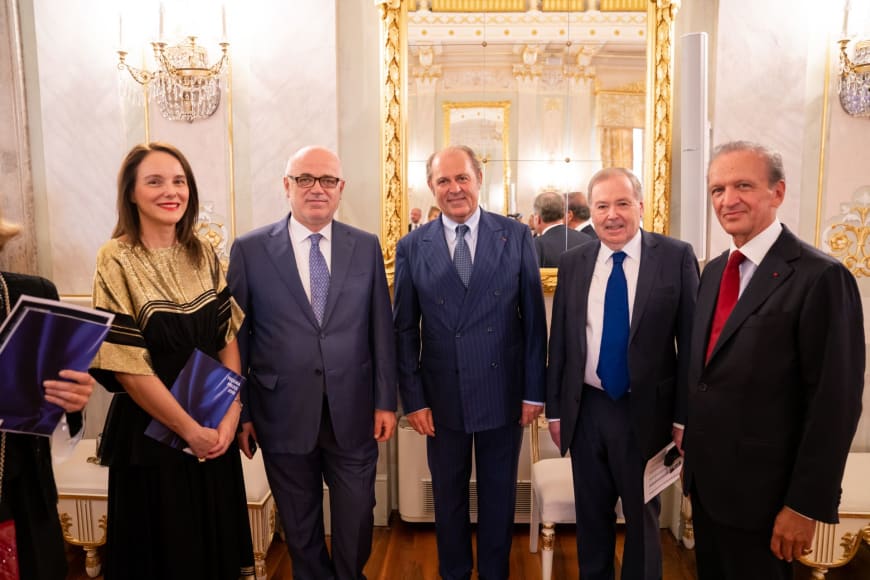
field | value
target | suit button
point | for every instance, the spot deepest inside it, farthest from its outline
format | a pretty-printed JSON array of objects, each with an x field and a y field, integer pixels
[
  {"x": 440, "y": 301},
  {"x": 318, "y": 372},
  {"x": 497, "y": 293},
  {"x": 702, "y": 387},
  {"x": 489, "y": 329},
  {"x": 493, "y": 365},
  {"x": 458, "y": 335}
]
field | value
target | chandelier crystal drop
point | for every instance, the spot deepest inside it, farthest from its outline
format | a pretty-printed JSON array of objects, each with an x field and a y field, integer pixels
[
  {"x": 854, "y": 87},
  {"x": 185, "y": 87}
]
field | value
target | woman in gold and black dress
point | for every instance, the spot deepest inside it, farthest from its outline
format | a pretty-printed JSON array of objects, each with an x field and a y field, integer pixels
[
  {"x": 28, "y": 494},
  {"x": 171, "y": 514}
]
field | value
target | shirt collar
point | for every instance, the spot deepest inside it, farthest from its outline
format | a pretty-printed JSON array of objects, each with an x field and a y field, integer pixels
[
  {"x": 299, "y": 233},
  {"x": 631, "y": 248},
  {"x": 756, "y": 249},
  {"x": 472, "y": 223}
]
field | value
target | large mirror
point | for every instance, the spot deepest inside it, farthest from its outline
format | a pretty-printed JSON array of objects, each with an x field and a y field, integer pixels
[{"x": 546, "y": 91}]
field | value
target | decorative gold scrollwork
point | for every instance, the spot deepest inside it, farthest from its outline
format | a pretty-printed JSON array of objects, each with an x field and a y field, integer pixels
[{"x": 846, "y": 235}]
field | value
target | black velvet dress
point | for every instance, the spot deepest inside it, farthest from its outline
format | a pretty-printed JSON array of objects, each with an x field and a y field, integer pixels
[{"x": 169, "y": 515}]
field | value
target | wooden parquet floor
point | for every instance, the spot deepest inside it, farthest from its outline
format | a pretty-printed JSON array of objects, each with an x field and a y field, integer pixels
[{"x": 406, "y": 551}]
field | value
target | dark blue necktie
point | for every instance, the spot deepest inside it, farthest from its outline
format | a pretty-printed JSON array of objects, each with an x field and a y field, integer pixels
[
  {"x": 319, "y": 276},
  {"x": 613, "y": 358},
  {"x": 462, "y": 255}
]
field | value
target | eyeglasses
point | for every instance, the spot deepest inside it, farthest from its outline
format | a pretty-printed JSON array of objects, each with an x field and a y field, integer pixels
[{"x": 326, "y": 181}]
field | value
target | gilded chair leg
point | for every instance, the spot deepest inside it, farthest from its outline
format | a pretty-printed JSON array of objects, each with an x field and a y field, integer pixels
[
  {"x": 92, "y": 561},
  {"x": 260, "y": 565},
  {"x": 548, "y": 539},
  {"x": 687, "y": 526}
]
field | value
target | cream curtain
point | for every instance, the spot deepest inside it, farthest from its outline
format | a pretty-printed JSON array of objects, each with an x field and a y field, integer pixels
[
  {"x": 616, "y": 114},
  {"x": 616, "y": 147}
]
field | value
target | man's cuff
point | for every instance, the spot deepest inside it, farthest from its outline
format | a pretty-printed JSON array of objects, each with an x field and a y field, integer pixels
[
  {"x": 800, "y": 514},
  {"x": 556, "y": 420},
  {"x": 536, "y": 403},
  {"x": 679, "y": 426}
]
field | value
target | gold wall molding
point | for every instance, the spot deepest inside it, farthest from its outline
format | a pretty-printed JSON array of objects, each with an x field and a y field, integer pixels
[
  {"x": 848, "y": 234},
  {"x": 393, "y": 122},
  {"x": 625, "y": 5},
  {"x": 659, "y": 114},
  {"x": 478, "y": 5},
  {"x": 563, "y": 5}
]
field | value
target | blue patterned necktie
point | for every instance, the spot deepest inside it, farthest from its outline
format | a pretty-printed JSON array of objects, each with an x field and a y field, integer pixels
[
  {"x": 613, "y": 358},
  {"x": 319, "y": 277},
  {"x": 462, "y": 255}
]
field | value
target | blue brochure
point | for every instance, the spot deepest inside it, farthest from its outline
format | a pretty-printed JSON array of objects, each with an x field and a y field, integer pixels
[
  {"x": 40, "y": 338},
  {"x": 205, "y": 389}
]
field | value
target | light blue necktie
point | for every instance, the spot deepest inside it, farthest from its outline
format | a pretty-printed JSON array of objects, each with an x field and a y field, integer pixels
[
  {"x": 319, "y": 277},
  {"x": 462, "y": 255},
  {"x": 613, "y": 358}
]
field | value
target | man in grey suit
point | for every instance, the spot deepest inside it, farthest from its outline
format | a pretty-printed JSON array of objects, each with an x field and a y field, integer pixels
[
  {"x": 318, "y": 348},
  {"x": 553, "y": 236},
  {"x": 619, "y": 344},
  {"x": 471, "y": 331}
]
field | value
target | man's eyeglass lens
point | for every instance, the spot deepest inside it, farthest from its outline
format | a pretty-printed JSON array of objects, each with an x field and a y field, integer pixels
[{"x": 306, "y": 181}]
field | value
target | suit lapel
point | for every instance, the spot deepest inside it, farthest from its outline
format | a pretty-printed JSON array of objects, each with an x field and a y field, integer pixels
[
  {"x": 773, "y": 270},
  {"x": 343, "y": 243},
  {"x": 705, "y": 306},
  {"x": 279, "y": 249},
  {"x": 491, "y": 241},
  {"x": 437, "y": 256},
  {"x": 649, "y": 266},
  {"x": 579, "y": 302}
]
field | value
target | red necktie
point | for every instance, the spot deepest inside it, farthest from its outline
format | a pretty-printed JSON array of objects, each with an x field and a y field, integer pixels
[{"x": 729, "y": 289}]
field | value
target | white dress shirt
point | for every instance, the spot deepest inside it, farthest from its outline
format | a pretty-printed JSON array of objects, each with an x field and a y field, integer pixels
[
  {"x": 473, "y": 224},
  {"x": 595, "y": 302},
  {"x": 302, "y": 250},
  {"x": 755, "y": 250}
]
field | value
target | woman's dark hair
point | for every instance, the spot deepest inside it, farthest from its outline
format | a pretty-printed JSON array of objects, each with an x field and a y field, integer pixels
[{"x": 128, "y": 215}]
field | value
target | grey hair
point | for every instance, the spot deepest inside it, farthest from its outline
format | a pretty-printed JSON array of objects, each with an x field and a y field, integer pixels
[
  {"x": 775, "y": 170},
  {"x": 609, "y": 172},
  {"x": 475, "y": 162}
]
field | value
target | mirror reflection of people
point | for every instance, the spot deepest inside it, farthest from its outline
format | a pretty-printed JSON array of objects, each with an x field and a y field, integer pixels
[
  {"x": 775, "y": 381},
  {"x": 433, "y": 214},
  {"x": 28, "y": 495},
  {"x": 619, "y": 345},
  {"x": 579, "y": 217},
  {"x": 471, "y": 330},
  {"x": 416, "y": 218},
  {"x": 320, "y": 356},
  {"x": 171, "y": 514},
  {"x": 553, "y": 237}
]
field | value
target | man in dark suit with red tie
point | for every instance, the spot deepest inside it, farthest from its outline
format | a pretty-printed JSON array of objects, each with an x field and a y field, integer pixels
[
  {"x": 775, "y": 382},
  {"x": 619, "y": 343},
  {"x": 472, "y": 337}
]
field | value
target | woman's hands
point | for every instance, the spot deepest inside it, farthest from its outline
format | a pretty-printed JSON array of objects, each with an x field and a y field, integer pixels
[
  {"x": 71, "y": 392},
  {"x": 226, "y": 431}
]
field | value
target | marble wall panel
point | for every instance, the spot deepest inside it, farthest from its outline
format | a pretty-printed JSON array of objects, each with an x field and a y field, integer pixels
[
  {"x": 16, "y": 188},
  {"x": 79, "y": 118},
  {"x": 759, "y": 88}
]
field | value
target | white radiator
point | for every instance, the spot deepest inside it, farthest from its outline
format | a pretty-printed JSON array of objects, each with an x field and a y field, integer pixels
[{"x": 415, "y": 482}]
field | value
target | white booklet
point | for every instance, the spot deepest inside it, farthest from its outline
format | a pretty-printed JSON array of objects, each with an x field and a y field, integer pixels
[{"x": 661, "y": 471}]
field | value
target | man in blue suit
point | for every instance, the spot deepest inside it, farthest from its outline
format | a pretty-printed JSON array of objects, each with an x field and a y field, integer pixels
[
  {"x": 319, "y": 353},
  {"x": 471, "y": 331},
  {"x": 617, "y": 372}
]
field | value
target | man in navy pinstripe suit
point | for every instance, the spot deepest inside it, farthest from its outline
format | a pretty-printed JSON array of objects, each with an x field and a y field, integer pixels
[{"x": 471, "y": 356}]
